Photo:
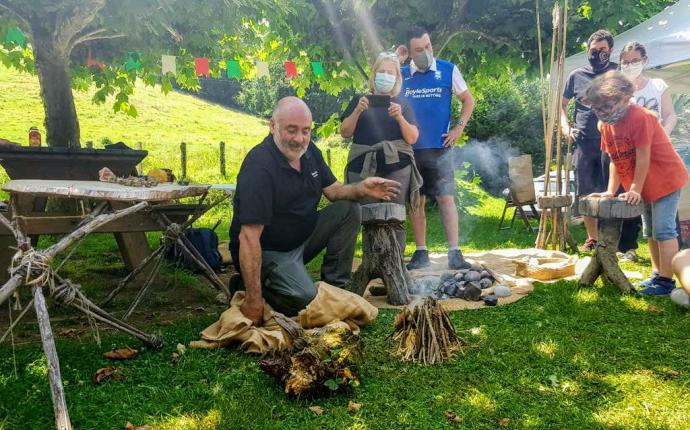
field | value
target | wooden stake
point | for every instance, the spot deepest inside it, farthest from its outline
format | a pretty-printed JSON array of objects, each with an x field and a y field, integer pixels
[
  {"x": 62, "y": 421},
  {"x": 222, "y": 159},
  {"x": 183, "y": 160}
]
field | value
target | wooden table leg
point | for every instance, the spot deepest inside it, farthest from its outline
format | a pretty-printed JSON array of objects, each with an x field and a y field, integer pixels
[{"x": 134, "y": 247}]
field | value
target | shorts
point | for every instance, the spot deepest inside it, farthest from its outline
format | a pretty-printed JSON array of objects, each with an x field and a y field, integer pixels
[
  {"x": 436, "y": 168},
  {"x": 659, "y": 217},
  {"x": 589, "y": 175}
]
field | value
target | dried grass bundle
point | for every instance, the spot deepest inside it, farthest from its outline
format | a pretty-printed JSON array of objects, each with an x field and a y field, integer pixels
[
  {"x": 424, "y": 334},
  {"x": 323, "y": 361}
]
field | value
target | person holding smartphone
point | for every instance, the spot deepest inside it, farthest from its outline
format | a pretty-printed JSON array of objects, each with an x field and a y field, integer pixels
[{"x": 383, "y": 130}]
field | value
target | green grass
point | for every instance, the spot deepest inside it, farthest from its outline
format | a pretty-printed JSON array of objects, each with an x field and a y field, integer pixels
[{"x": 561, "y": 358}]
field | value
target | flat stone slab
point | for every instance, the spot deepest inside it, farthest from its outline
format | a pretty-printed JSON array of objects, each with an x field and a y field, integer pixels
[
  {"x": 383, "y": 213},
  {"x": 103, "y": 190},
  {"x": 609, "y": 208}
]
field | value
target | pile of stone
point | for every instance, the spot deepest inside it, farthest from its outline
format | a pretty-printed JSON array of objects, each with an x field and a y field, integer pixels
[{"x": 467, "y": 284}]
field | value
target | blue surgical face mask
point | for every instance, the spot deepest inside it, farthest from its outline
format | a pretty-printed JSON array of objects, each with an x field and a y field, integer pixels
[{"x": 384, "y": 83}]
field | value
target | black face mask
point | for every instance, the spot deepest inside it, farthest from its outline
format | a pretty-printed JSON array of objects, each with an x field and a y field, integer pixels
[{"x": 599, "y": 60}]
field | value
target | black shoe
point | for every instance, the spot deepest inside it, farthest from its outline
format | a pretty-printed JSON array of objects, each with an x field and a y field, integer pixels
[
  {"x": 419, "y": 260},
  {"x": 456, "y": 261}
]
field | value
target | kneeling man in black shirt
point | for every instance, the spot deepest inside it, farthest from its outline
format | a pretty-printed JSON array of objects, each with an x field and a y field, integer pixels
[{"x": 276, "y": 227}]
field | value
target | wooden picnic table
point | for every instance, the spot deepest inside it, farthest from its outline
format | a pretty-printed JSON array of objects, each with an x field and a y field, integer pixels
[{"x": 129, "y": 231}]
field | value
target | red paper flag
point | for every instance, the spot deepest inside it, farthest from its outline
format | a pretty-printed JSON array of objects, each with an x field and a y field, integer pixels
[
  {"x": 290, "y": 69},
  {"x": 90, "y": 62},
  {"x": 201, "y": 67}
]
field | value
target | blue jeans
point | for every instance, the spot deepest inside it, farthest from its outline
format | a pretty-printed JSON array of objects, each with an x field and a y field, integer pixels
[{"x": 659, "y": 217}]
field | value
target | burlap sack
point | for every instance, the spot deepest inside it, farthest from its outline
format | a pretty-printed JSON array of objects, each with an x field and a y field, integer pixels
[{"x": 521, "y": 178}]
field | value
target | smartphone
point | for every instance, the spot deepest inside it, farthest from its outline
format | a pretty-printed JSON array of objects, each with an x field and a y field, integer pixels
[{"x": 381, "y": 101}]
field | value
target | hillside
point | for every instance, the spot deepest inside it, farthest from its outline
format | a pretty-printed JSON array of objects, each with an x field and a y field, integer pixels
[{"x": 163, "y": 122}]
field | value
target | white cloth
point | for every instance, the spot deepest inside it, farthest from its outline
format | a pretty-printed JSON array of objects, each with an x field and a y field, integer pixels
[
  {"x": 168, "y": 64},
  {"x": 650, "y": 96},
  {"x": 459, "y": 84}
]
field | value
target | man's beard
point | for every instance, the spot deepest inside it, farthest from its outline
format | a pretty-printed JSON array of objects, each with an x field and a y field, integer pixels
[{"x": 292, "y": 148}]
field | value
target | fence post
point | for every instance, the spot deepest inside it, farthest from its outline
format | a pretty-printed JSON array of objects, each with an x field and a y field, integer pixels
[
  {"x": 183, "y": 159},
  {"x": 328, "y": 156},
  {"x": 222, "y": 158},
  {"x": 140, "y": 146}
]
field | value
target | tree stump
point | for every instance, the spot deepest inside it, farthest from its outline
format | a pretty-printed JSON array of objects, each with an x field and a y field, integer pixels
[
  {"x": 610, "y": 212},
  {"x": 382, "y": 257}
]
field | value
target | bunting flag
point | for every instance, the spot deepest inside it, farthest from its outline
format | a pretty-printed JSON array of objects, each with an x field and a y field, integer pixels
[
  {"x": 262, "y": 70},
  {"x": 16, "y": 36},
  {"x": 133, "y": 61},
  {"x": 234, "y": 70},
  {"x": 317, "y": 69},
  {"x": 290, "y": 69},
  {"x": 168, "y": 64},
  {"x": 201, "y": 67}
]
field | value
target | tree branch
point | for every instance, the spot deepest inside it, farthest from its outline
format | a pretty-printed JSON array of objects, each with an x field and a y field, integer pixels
[
  {"x": 93, "y": 35},
  {"x": 77, "y": 22},
  {"x": 16, "y": 14}
]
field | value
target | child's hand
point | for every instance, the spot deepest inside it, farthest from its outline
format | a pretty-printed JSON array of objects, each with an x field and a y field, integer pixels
[
  {"x": 601, "y": 195},
  {"x": 631, "y": 197}
]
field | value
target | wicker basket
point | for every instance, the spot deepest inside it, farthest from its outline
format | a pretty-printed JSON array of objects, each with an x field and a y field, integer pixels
[{"x": 545, "y": 269}]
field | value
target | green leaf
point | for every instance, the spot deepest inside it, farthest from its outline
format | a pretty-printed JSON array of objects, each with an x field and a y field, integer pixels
[{"x": 332, "y": 384}]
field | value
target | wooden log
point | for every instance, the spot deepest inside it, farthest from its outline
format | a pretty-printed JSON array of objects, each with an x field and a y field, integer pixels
[
  {"x": 608, "y": 207},
  {"x": 604, "y": 262},
  {"x": 62, "y": 421},
  {"x": 382, "y": 255},
  {"x": 10, "y": 286}
]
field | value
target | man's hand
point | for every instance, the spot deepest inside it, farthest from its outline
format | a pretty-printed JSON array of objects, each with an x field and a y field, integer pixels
[
  {"x": 362, "y": 105},
  {"x": 631, "y": 197},
  {"x": 452, "y": 136},
  {"x": 395, "y": 111},
  {"x": 568, "y": 132},
  {"x": 379, "y": 188},
  {"x": 254, "y": 310}
]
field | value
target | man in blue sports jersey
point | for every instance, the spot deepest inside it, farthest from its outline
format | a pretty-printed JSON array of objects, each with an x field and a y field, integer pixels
[{"x": 429, "y": 85}]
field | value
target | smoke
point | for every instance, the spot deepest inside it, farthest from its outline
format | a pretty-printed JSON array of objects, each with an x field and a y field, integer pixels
[{"x": 488, "y": 160}]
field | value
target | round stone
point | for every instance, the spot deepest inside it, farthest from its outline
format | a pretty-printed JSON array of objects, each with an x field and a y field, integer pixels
[
  {"x": 680, "y": 297},
  {"x": 491, "y": 300},
  {"x": 473, "y": 293},
  {"x": 485, "y": 283},
  {"x": 502, "y": 291},
  {"x": 472, "y": 275},
  {"x": 476, "y": 267},
  {"x": 447, "y": 276},
  {"x": 460, "y": 276},
  {"x": 485, "y": 274}
]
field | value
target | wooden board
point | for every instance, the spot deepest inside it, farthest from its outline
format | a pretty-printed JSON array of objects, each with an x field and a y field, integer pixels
[{"x": 103, "y": 190}]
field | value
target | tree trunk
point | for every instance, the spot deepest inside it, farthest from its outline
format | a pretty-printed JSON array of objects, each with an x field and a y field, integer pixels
[{"x": 61, "y": 122}]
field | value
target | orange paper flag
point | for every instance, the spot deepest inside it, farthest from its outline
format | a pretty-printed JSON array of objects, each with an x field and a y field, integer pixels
[{"x": 201, "y": 67}]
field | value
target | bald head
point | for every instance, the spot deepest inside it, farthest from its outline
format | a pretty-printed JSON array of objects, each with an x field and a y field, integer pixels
[
  {"x": 290, "y": 107},
  {"x": 291, "y": 127}
]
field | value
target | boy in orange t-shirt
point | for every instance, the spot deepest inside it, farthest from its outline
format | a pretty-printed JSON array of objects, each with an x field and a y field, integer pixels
[{"x": 645, "y": 163}]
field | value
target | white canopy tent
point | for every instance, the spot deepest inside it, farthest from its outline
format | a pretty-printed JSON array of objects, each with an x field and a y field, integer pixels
[{"x": 667, "y": 39}]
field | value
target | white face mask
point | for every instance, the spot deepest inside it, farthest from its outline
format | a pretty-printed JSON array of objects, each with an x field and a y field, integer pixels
[
  {"x": 632, "y": 71},
  {"x": 384, "y": 83}
]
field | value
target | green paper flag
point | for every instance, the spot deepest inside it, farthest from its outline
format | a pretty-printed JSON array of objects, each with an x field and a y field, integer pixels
[
  {"x": 317, "y": 69},
  {"x": 234, "y": 70},
  {"x": 133, "y": 61},
  {"x": 15, "y": 35}
]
